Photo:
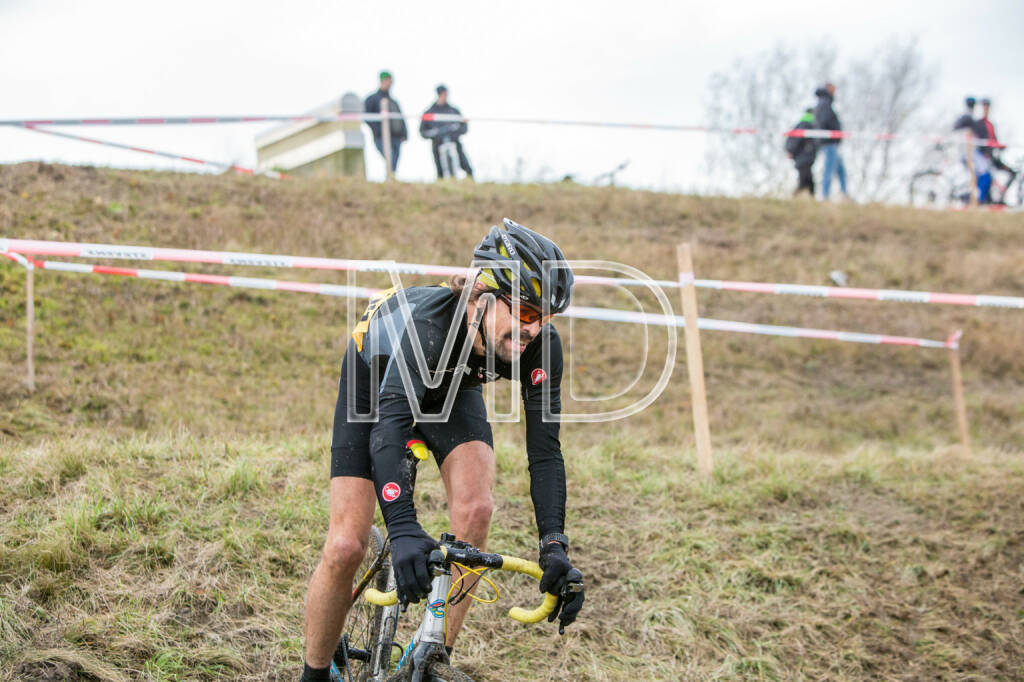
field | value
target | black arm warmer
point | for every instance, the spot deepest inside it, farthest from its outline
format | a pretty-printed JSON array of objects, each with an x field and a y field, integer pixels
[
  {"x": 547, "y": 473},
  {"x": 391, "y": 466}
]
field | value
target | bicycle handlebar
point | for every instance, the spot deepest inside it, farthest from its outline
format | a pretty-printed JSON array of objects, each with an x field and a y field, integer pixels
[
  {"x": 532, "y": 569},
  {"x": 499, "y": 561}
]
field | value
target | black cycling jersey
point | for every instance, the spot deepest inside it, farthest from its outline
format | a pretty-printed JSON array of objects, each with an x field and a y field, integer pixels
[{"x": 385, "y": 339}]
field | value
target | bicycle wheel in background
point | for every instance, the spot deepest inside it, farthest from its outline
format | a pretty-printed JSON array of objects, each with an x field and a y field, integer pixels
[
  {"x": 371, "y": 628},
  {"x": 928, "y": 190}
]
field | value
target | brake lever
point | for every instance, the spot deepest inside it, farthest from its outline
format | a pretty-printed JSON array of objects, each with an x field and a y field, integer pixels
[
  {"x": 435, "y": 563},
  {"x": 573, "y": 582}
]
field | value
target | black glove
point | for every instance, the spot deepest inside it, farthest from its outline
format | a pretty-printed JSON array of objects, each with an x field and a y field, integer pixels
[
  {"x": 409, "y": 552},
  {"x": 556, "y": 566}
]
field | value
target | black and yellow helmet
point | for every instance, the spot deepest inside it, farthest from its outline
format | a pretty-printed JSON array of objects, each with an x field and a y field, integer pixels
[{"x": 546, "y": 288}]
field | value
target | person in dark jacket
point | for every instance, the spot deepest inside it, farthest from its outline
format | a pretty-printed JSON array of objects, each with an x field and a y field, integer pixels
[
  {"x": 825, "y": 119},
  {"x": 442, "y": 132},
  {"x": 398, "y": 131},
  {"x": 982, "y": 165},
  {"x": 966, "y": 119},
  {"x": 803, "y": 151},
  {"x": 984, "y": 130}
]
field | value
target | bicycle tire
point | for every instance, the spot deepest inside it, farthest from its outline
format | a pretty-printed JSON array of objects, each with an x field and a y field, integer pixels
[
  {"x": 442, "y": 672},
  {"x": 370, "y": 627},
  {"x": 926, "y": 190},
  {"x": 436, "y": 672}
]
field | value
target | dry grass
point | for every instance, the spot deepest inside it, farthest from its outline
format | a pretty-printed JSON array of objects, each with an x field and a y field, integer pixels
[
  {"x": 164, "y": 489},
  {"x": 185, "y": 558}
]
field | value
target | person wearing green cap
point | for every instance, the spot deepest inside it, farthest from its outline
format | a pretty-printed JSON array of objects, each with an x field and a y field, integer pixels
[
  {"x": 803, "y": 151},
  {"x": 399, "y": 133}
]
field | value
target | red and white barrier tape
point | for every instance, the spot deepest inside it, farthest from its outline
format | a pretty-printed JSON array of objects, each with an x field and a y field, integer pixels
[
  {"x": 81, "y": 250},
  {"x": 581, "y": 312},
  {"x": 864, "y": 294},
  {"x": 150, "y": 253},
  {"x": 154, "y": 152},
  {"x": 178, "y": 120},
  {"x": 20, "y": 260},
  {"x": 749, "y": 328},
  {"x": 197, "y": 278},
  {"x": 452, "y": 118}
]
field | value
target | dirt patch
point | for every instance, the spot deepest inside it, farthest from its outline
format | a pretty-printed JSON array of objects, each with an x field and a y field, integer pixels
[{"x": 46, "y": 671}]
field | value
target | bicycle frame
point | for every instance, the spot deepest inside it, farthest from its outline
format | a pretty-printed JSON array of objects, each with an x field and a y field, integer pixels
[{"x": 427, "y": 645}]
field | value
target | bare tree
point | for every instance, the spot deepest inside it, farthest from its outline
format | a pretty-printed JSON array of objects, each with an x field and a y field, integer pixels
[
  {"x": 886, "y": 93},
  {"x": 769, "y": 91}
]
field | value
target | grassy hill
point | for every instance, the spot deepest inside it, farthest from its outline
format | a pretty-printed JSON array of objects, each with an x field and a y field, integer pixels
[{"x": 165, "y": 486}]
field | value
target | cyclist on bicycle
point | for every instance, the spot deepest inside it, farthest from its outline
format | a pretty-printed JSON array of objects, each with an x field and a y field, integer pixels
[{"x": 381, "y": 382}]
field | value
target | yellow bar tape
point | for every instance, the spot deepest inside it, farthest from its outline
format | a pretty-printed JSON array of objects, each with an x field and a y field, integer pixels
[
  {"x": 508, "y": 563},
  {"x": 532, "y": 569}
]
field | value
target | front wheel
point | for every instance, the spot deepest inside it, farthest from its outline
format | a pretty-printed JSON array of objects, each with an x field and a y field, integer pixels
[
  {"x": 370, "y": 629},
  {"x": 442, "y": 672},
  {"x": 436, "y": 672},
  {"x": 928, "y": 190}
]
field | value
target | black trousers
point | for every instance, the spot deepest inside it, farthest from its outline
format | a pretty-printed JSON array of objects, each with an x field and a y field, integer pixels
[
  {"x": 805, "y": 180},
  {"x": 463, "y": 161}
]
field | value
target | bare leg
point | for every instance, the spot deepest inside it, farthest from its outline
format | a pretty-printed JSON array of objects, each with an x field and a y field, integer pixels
[
  {"x": 330, "y": 590},
  {"x": 468, "y": 473}
]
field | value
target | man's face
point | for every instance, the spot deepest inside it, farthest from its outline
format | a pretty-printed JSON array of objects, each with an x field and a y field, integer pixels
[
  {"x": 442, "y": 97},
  {"x": 509, "y": 334},
  {"x": 385, "y": 83},
  {"x": 830, "y": 89},
  {"x": 984, "y": 110}
]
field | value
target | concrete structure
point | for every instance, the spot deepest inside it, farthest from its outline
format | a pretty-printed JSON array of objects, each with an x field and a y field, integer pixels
[{"x": 311, "y": 148}]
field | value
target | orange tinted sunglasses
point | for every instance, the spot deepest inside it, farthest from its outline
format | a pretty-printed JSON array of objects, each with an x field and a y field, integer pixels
[{"x": 527, "y": 314}]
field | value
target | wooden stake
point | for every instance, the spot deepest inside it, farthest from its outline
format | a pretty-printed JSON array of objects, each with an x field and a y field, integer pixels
[
  {"x": 385, "y": 133},
  {"x": 958, "y": 397},
  {"x": 695, "y": 363},
  {"x": 30, "y": 317},
  {"x": 970, "y": 168}
]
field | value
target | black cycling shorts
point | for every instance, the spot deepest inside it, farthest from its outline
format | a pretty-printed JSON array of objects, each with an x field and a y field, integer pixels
[{"x": 350, "y": 443}]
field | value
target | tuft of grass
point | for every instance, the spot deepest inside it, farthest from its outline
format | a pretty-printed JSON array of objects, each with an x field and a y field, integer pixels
[{"x": 242, "y": 478}]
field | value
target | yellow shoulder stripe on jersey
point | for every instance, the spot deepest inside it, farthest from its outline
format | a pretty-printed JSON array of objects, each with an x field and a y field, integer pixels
[{"x": 364, "y": 322}]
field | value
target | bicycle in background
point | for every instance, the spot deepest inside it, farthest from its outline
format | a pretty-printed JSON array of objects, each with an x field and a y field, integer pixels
[{"x": 944, "y": 181}]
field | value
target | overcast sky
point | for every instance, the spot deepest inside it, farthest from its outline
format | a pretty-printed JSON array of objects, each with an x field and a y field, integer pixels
[{"x": 632, "y": 61}]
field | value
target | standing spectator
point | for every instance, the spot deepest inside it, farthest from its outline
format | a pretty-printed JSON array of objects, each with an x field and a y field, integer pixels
[
  {"x": 984, "y": 130},
  {"x": 982, "y": 165},
  {"x": 442, "y": 132},
  {"x": 803, "y": 151},
  {"x": 966, "y": 120},
  {"x": 398, "y": 130},
  {"x": 825, "y": 119}
]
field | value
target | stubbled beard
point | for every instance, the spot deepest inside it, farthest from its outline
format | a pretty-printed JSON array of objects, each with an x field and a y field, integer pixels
[{"x": 503, "y": 350}]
